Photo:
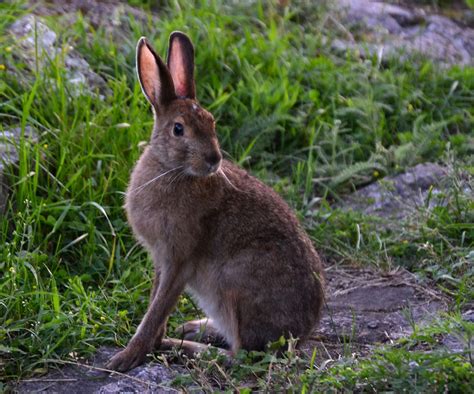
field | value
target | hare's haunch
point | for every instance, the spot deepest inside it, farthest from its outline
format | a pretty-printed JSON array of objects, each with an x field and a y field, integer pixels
[{"x": 211, "y": 228}]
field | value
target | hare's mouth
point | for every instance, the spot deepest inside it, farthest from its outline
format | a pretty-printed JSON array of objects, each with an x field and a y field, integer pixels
[{"x": 204, "y": 170}]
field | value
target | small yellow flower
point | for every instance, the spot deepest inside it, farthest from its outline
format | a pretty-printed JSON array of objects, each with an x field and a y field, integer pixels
[
  {"x": 102, "y": 318},
  {"x": 2, "y": 67},
  {"x": 45, "y": 146},
  {"x": 410, "y": 107},
  {"x": 12, "y": 270},
  {"x": 376, "y": 174},
  {"x": 8, "y": 49}
]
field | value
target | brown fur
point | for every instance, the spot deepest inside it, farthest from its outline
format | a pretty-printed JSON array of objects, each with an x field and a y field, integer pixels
[{"x": 215, "y": 231}]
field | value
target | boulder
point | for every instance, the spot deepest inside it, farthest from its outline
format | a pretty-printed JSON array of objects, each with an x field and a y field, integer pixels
[
  {"x": 37, "y": 45},
  {"x": 391, "y": 30},
  {"x": 396, "y": 197},
  {"x": 112, "y": 15},
  {"x": 9, "y": 143}
]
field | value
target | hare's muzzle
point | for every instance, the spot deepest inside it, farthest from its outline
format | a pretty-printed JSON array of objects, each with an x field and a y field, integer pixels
[{"x": 213, "y": 161}]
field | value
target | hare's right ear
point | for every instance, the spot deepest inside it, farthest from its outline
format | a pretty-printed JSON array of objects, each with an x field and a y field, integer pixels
[
  {"x": 154, "y": 76},
  {"x": 181, "y": 64}
]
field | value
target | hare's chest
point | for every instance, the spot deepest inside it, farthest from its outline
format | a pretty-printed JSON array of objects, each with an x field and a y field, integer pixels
[
  {"x": 148, "y": 222},
  {"x": 164, "y": 225}
]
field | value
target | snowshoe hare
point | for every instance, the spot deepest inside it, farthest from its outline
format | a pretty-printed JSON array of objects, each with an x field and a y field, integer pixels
[{"x": 211, "y": 228}]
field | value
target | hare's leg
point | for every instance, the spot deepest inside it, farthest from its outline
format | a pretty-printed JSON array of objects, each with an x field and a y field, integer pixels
[
  {"x": 203, "y": 330},
  {"x": 171, "y": 285},
  {"x": 156, "y": 284},
  {"x": 162, "y": 329}
]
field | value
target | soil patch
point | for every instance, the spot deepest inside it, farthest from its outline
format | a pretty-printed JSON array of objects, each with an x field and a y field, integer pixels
[{"x": 365, "y": 308}]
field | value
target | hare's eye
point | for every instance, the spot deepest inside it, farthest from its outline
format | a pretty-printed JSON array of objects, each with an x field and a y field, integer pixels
[{"x": 178, "y": 129}]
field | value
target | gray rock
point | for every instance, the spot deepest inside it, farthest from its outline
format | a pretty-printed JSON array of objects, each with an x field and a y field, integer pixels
[
  {"x": 112, "y": 15},
  {"x": 378, "y": 15},
  {"x": 88, "y": 377},
  {"x": 9, "y": 143},
  {"x": 398, "y": 196},
  {"x": 395, "y": 31},
  {"x": 460, "y": 340},
  {"x": 37, "y": 45}
]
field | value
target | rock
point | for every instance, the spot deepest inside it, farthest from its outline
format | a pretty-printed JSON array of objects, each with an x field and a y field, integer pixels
[
  {"x": 112, "y": 15},
  {"x": 37, "y": 45},
  {"x": 393, "y": 30},
  {"x": 87, "y": 377},
  {"x": 398, "y": 196},
  {"x": 9, "y": 142},
  {"x": 461, "y": 340},
  {"x": 378, "y": 15},
  {"x": 372, "y": 325}
]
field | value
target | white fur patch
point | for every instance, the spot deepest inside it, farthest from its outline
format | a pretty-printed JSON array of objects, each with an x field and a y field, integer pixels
[{"x": 208, "y": 302}]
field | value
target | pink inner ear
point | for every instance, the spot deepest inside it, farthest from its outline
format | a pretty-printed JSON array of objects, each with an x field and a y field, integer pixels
[
  {"x": 149, "y": 73},
  {"x": 178, "y": 72}
]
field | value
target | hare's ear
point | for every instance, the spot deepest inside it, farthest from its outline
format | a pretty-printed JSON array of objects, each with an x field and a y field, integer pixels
[
  {"x": 154, "y": 76},
  {"x": 181, "y": 64}
]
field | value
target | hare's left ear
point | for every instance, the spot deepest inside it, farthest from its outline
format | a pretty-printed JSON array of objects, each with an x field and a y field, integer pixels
[
  {"x": 154, "y": 76},
  {"x": 181, "y": 65}
]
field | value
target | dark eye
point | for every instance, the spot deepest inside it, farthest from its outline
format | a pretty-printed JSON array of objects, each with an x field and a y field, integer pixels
[{"x": 178, "y": 129}]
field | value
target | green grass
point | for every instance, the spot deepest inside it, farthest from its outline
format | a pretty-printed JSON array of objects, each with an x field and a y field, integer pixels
[{"x": 308, "y": 122}]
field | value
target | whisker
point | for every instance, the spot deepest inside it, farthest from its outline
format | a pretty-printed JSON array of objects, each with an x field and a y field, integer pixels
[
  {"x": 227, "y": 154},
  {"x": 176, "y": 178},
  {"x": 221, "y": 171},
  {"x": 139, "y": 188},
  {"x": 182, "y": 175}
]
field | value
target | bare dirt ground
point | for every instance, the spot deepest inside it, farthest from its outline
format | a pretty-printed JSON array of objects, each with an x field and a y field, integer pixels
[{"x": 364, "y": 308}]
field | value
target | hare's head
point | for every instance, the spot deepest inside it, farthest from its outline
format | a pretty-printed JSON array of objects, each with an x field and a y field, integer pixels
[{"x": 184, "y": 133}]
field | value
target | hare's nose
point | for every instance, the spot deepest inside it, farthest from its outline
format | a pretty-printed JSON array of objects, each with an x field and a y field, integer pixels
[{"x": 213, "y": 160}]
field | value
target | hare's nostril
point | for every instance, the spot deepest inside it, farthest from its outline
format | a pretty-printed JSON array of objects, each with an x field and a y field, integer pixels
[{"x": 213, "y": 158}]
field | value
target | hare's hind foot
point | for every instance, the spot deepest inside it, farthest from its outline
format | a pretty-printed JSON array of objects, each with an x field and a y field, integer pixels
[
  {"x": 203, "y": 331},
  {"x": 191, "y": 348}
]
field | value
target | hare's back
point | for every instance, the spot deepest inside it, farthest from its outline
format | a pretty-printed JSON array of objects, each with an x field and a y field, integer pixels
[{"x": 254, "y": 217}]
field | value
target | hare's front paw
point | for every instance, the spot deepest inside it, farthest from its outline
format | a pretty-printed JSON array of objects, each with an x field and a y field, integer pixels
[{"x": 130, "y": 357}]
